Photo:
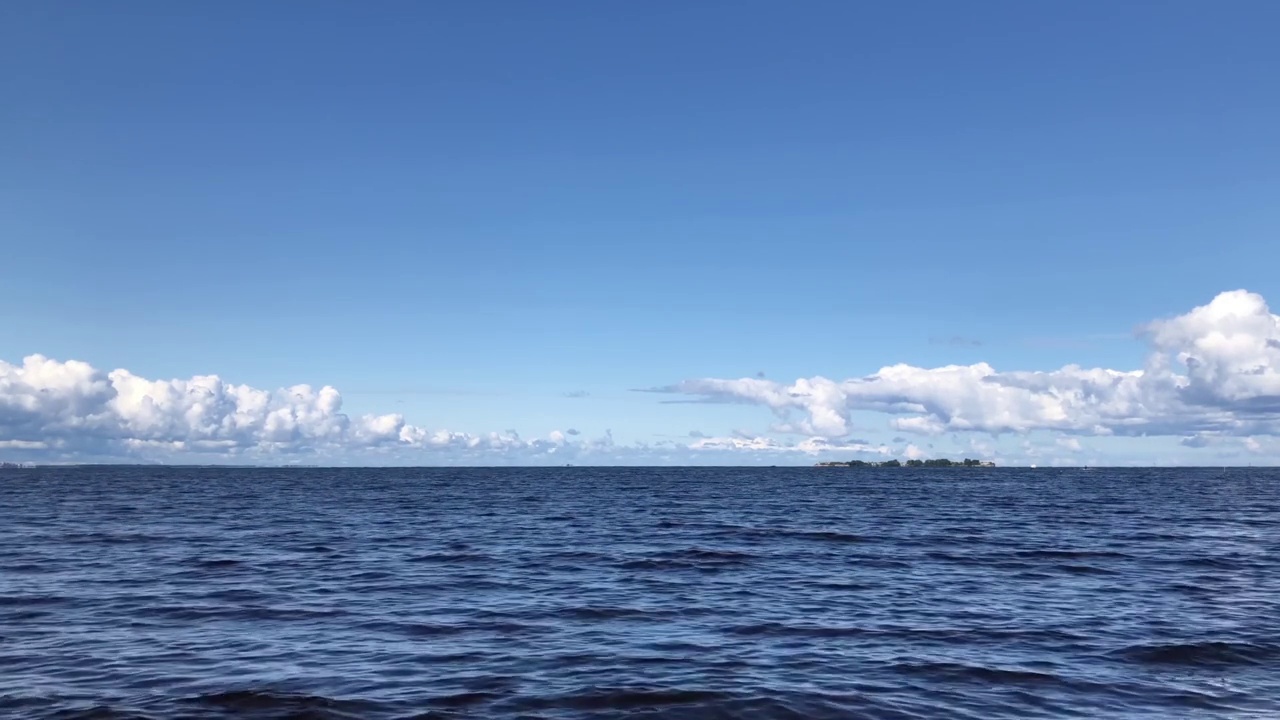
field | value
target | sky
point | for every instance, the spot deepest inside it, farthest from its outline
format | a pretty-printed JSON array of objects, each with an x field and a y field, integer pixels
[{"x": 639, "y": 233}]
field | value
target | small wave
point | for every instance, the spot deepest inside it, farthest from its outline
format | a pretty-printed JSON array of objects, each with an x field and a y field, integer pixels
[
  {"x": 100, "y": 712},
  {"x": 264, "y": 703},
  {"x": 430, "y": 629},
  {"x": 240, "y": 595},
  {"x": 25, "y": 615},
  {"x": 1071, "y": 554},
  {"x": 958, "y": 558},
  {"x": 702, "y": 555},
  {"x": 236, "y": 612},
  {"x": 370, "y": 576},
  {"x": 830, "y": 536},
  {"x": 824, "y": 536},
  {"x": 689, "y": 559},
  {"x": 30, "y": 600},
  {"x": 1085, "y": 570},
  {"x": 595, "y": 699},
  {"x": 655, "y": 565},
  {"x": 464, "y": 699},
  {"x": 618, "y": 613},
  {"x": 217, "y": 564},
  {"x": 1213, "y": 563},
  {"x": 1209, "y": 653},
  {"x": 976, "y": 673},
  {"x": 110, "y": 538},
  {"x": 843, "y": 586},
  {"x": 28, "y": 569},
  {"x": 782, "y": 629},
  {"x": 451, "y": 557},
  {"x": 582, "y": 555}
]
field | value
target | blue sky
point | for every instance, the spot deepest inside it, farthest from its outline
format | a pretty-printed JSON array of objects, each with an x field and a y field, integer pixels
[{"x": 465, "y": 212}]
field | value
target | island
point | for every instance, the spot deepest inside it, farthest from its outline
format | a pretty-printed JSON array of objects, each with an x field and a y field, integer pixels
[{"x": 940, "y": 462}]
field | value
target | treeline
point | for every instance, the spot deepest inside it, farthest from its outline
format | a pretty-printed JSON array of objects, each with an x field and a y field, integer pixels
[{"x": 939, "y": 462}]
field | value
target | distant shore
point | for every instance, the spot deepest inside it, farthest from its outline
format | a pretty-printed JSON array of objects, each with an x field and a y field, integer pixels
[{"x": 941, "y": 462}]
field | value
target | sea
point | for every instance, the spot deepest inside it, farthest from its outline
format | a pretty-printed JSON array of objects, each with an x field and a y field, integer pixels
[{"x": 971, "y": 593}]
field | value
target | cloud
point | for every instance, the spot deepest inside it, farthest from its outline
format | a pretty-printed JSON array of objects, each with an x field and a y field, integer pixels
[
  {"x": 1069, "y": 444},
  {"x": 813, "y": 446},
  {"x": 73, "y": 410},
  {"x": 1211, "y": 378},
  {"x": 577, "y": 394},
  {"x": 1215, "y": 369},
  {"x": 52, "y": 410}
]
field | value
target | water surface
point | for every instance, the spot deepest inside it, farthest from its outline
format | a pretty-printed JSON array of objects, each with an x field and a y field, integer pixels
[{"x": 641, "y": 593}]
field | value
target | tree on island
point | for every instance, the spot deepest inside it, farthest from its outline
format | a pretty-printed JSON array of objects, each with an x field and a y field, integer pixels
[{"x": 912, "y": 463}]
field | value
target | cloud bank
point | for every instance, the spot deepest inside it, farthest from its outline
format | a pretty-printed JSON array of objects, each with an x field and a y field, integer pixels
[
  {"x": 1214, "y": 371},
  {"x": 1211, "y": 379},
  {"x": 73, "y": 409}
]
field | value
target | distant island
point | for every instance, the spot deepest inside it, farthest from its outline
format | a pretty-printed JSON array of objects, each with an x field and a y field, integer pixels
[{"x": 940, "y": 462}]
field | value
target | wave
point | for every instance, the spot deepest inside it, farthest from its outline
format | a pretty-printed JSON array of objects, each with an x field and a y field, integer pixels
[
  {"x": 611, "y": 613},
  {"x": 597, "y": 699},
  {"x": 430, "y": 629},
  {"x": 253, "y": 704},
  {"x": 1085, "y": 570},
  {"x": 99, "y": 712},
  {"x": 1071, "y": 555},
  {"x": 762, "y": 534},
  {"x": 217, "y": 564},
  {"x": 689, "y": 559},
  {"x": 705, "y": 555},
  {"x": 451, "y": 557},
  {"x": 1207, "y": 653},
  {"x": 976, "y": 673}
]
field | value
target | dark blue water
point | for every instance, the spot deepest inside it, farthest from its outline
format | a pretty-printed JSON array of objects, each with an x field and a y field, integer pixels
[{"x": 648, "y": 593}]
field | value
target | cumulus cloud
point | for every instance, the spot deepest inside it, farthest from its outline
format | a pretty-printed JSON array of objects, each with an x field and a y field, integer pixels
[
  {"x": 74, "y": 409},
  {"x": 1215, "y": 369}
]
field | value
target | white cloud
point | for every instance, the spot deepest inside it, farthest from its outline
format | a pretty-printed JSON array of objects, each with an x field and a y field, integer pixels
[
  {"x": 1069, "y": 443},
  {"x": 1211, "y": 379},
  {"x": 1214, "y": 370},
  {"x": 810, "y": 446},
  {"x": 72, "y": 409}
]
